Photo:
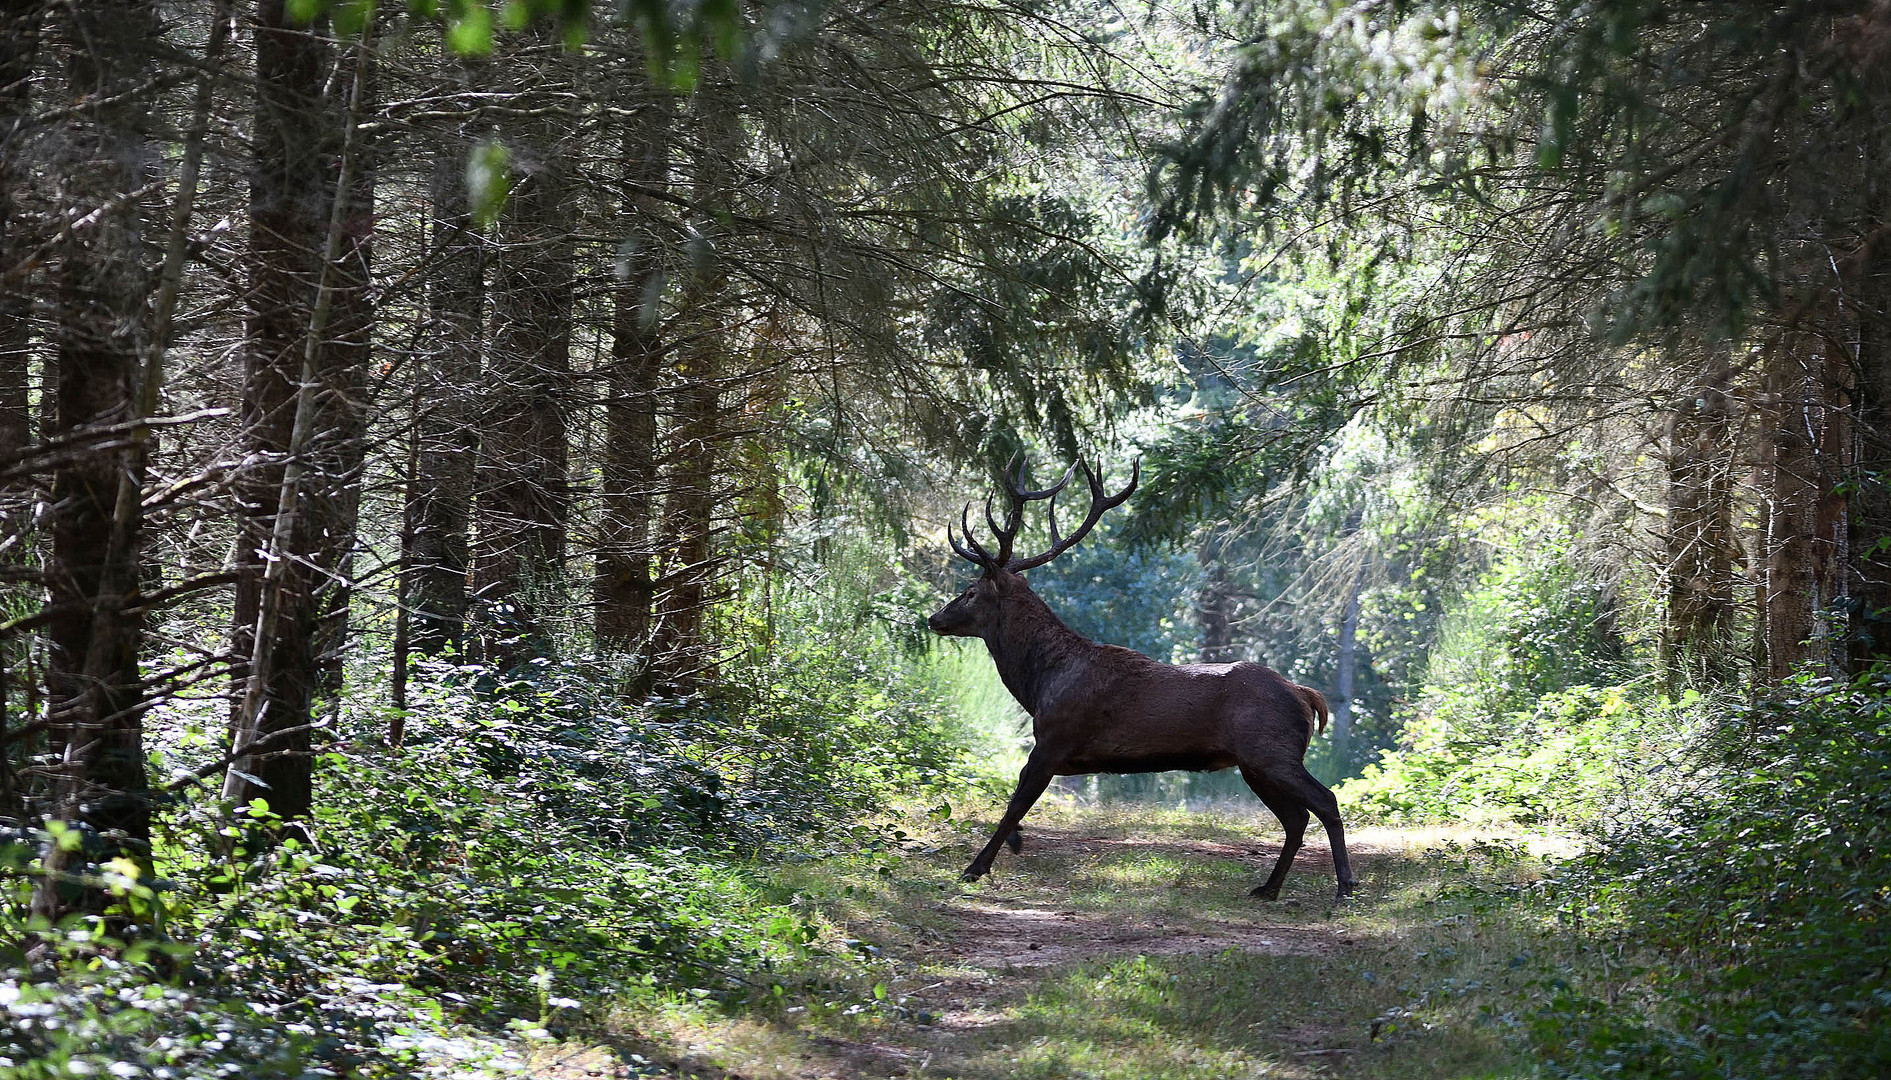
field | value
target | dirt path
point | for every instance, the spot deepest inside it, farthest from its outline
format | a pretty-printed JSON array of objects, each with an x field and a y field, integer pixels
[
  {"x": 1103, "y": 951},
  {"x": 1006, "y": 940},
  {"x": 993, "y": 932}
]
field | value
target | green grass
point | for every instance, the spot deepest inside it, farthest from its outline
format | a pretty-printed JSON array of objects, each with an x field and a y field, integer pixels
[{"x": 1152, "y": 962}]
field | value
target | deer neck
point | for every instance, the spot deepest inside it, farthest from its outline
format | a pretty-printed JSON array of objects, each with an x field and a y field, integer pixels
[{"x": 1031, "y": 647}]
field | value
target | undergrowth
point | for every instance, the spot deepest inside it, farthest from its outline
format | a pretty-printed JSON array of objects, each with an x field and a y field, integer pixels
[
  {"x": 1533, "y": 710},
  {"x": 1574, "y": 757},
  {"x": 536, "y": 853},
  {"x": 1750, "y": 910},
  {"x": 1728, "y": 910}
]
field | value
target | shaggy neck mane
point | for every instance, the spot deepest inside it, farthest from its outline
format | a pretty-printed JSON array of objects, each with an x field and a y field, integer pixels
[{"x": 1031, "y": 647}]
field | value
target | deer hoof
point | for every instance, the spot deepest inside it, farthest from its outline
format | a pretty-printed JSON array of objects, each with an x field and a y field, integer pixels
[
  {"x": 1344, "y": 892},
  {"x": 1264, "y": 892},
  {"x": 972, "y": 873},
  {"x": 1015, "y": 841}
]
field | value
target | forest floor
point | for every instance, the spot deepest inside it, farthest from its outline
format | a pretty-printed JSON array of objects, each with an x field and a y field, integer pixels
[{"x": 1123, "y": 944}]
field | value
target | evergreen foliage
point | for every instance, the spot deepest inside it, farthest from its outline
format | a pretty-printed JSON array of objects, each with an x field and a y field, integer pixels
[{"x": 473, "y": 478}]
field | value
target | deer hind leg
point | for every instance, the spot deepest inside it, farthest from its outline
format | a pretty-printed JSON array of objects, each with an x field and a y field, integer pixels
[
  {"x": 1032, "y": 780},
  {"x": 1293, "y": 819},
  {"x": 1319, "y": 799}
]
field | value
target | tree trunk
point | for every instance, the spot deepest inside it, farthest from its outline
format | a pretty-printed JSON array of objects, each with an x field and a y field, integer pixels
[
  {"x": 1697, "y": 632},
  {"x": 339, "y": 448},
  {"x": 523, "y": 501},
  {"x": 1803, "y": 522},
  {"x": 19, "y": 44},
  {"x": 624, "y": 586},
  {"x": 93, "y": 688},
  {"x": 689, "y": 517},
  {"x": 440, "y": 495},
  {"x": 1346, "y": 668},
  {"x": 1870, "y": 541},
  {"x": 678, "y": 649},
  {"x": 1832, "y": 513},
  {"x": 1214, "y": 609},
  {"x": 307, "y": 262}
]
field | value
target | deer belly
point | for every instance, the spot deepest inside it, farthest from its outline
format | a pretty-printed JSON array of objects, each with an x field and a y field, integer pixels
[{"x": 1146, "y": 763}]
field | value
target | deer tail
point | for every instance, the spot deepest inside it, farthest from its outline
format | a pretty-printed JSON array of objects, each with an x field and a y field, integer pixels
[{"x": 1317, "y": 701}]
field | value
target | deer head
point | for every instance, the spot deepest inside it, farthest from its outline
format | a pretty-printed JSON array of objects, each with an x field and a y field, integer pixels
[{"x": 974, "y": 612}]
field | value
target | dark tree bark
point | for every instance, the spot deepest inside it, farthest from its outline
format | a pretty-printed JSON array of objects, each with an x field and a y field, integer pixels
[
  {"x": 93, "y": 688},
  {"x": 1832, "y": 529},
  {"x": 339, "y": 446},
  {"x": 20, "y": 25},
  {"x": 287, "y": 229},
  {"x": 686, "y": 562},
  {"x": 440, "y": 494},
  {"x": 624, "y": 585},
  {"x": 1697, "y": 632},
  {"x": 301, "y": 131},
  {"x": 689, "y": 516},
  {"x": 19, "y": 43},
  {"x": 1870, "y": 540},
  {"x": 1804, "y": 561},
  {"x": 1214, "y": 608},
  {"x": 522, "y": 486}
]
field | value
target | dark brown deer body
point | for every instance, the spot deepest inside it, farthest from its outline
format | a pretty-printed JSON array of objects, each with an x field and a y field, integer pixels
[{"x": 1106, "y": 709}]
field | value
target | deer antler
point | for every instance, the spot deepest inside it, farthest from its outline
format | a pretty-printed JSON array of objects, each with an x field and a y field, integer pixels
[
  {"x": 970, "y": 551},
  {"x": 1019, "y": 495},
  {"x": 1099, "y": 503},
  {"x": 973, "y": 552}
]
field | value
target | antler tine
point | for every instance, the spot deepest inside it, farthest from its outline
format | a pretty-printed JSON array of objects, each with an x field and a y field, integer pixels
[
  {"x": 1005, "y": 533},
  {"x": 977, "y": 555},
  {"x": 1014, "y": 482},
  {"x": 974, "y": 552},
  {"x": 1019, "y": 495},
  {"x": 953, "y": 539},
  {"x": 1099, "y": 504}
]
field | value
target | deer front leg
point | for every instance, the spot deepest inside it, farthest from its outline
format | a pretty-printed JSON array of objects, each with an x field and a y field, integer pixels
[{"x": 1032, "y": 780}]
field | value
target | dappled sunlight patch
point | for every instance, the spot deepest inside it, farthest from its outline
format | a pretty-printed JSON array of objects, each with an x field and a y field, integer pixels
[
  {"x": 1154, "y": 872},
  {"x": 972, "y": 1019},
  {"x": 682, "y": 1038},
  {"x": 1008, "y": 937},
  {"x": 1223, "y": 823},
  {"x": 1418, "y": 838},
  {"x": 1099, "y": 954},
  {"x": 1194, "y": 1016},
  {"x": 1129, "y": 1054}
]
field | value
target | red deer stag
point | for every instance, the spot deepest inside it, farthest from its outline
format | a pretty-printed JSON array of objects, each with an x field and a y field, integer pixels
[{"x": 1106, "y": 709}]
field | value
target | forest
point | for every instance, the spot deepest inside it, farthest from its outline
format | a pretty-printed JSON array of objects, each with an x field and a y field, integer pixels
[{"x": 475, "y": 478}]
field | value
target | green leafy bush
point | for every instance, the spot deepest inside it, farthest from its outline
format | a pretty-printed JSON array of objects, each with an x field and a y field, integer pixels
[
  {"x": 1531, "y": 712},
  {"x": 1752, "y": 910},
  {"x": 1578, "y": 755},
  {"x": 536, "y": 849},
  {"x": 1537, "y": 622}
]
